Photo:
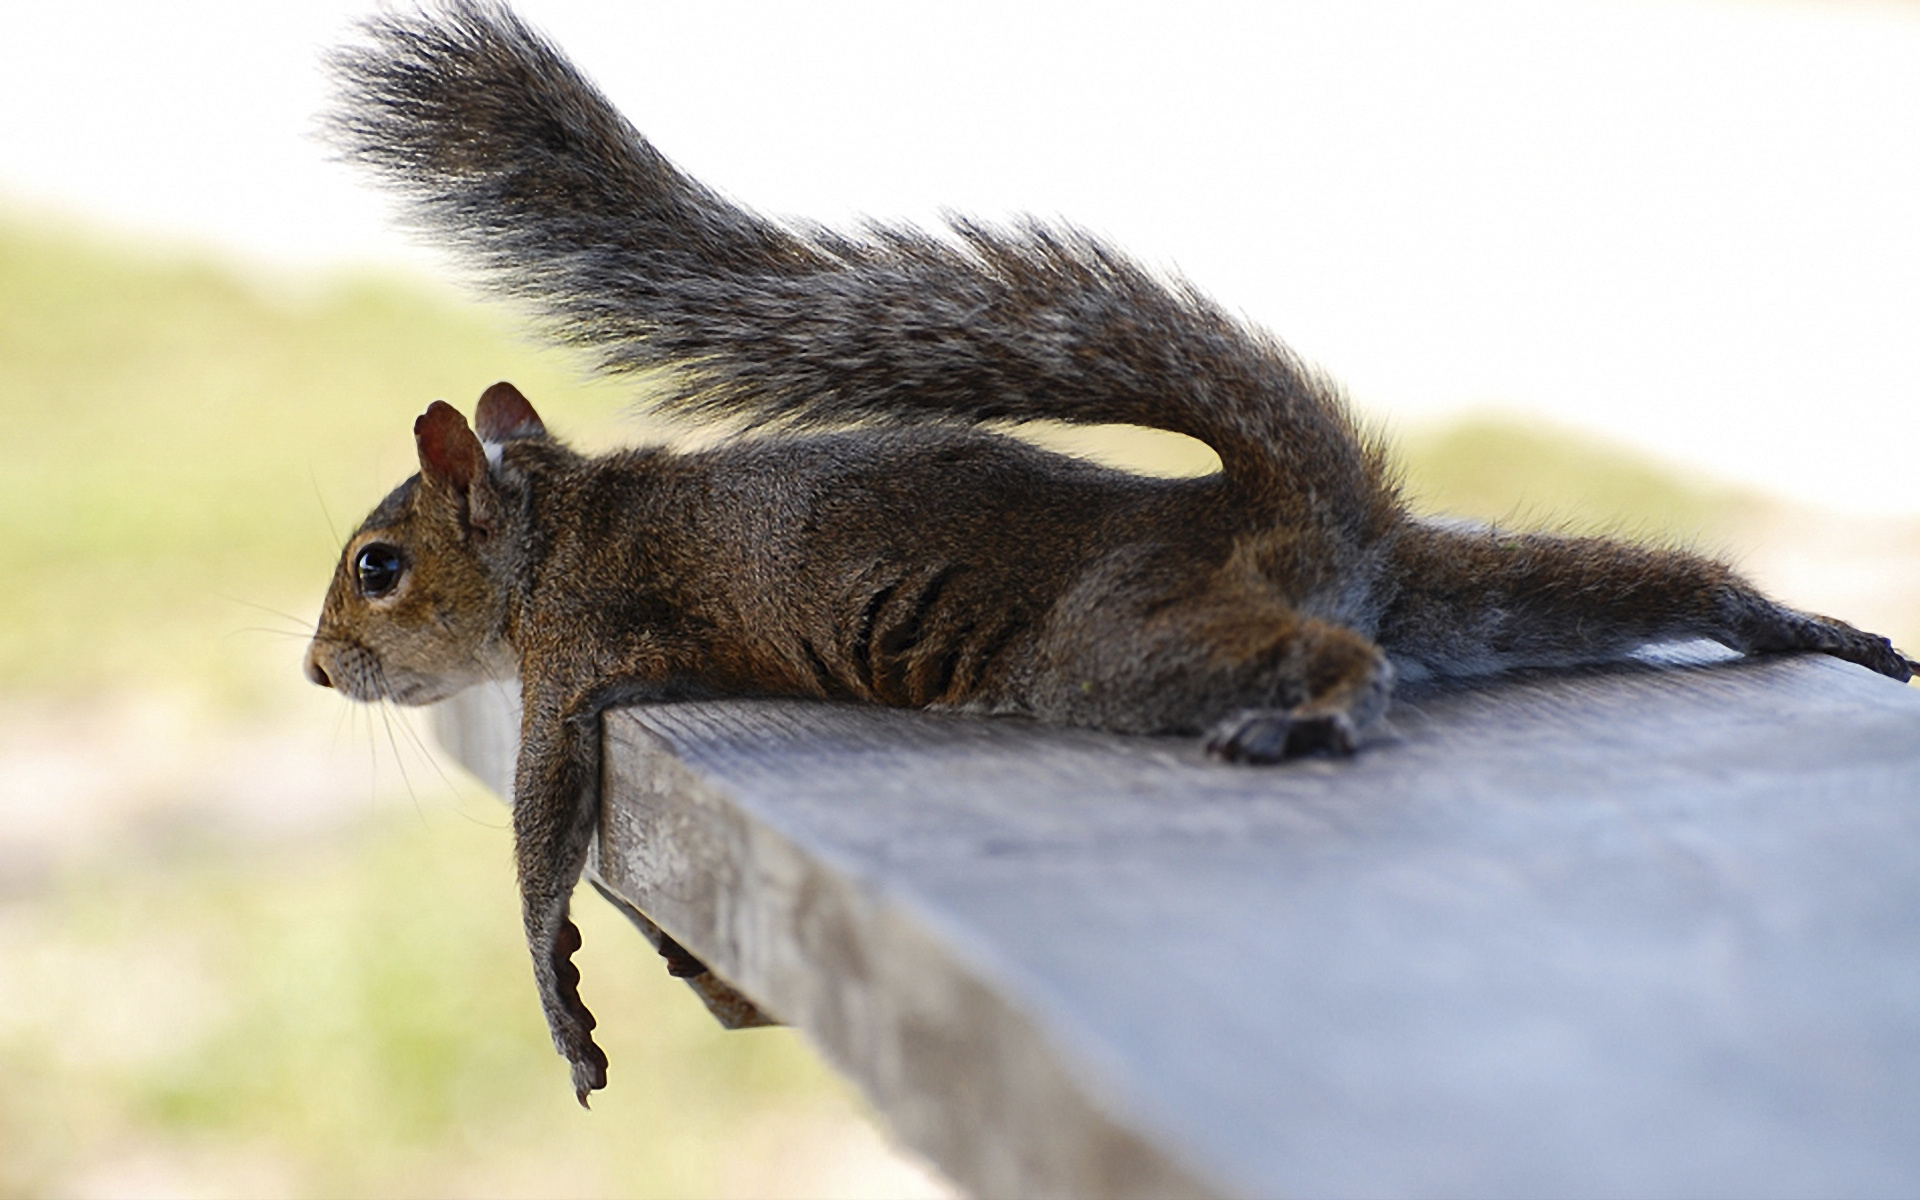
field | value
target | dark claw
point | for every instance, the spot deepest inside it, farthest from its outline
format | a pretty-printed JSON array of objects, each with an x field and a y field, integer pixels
[
  {"x": 589, "y": 1074},
  {"x": 1878, "y": 654},
  {"x": 1329, "y": 733},
  {"x": 1799, "y": 631},
  {"x": 1250, "y": 738},
  {"x": 1267, "y": 736},
  {"x": 681, "y": 964}
]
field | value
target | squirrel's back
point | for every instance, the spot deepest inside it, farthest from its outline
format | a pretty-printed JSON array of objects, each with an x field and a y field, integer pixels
[{"x": 508, "y": 154}]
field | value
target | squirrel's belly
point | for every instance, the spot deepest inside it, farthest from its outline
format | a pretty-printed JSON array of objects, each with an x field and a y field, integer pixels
[{"x": 939, "y": 634}]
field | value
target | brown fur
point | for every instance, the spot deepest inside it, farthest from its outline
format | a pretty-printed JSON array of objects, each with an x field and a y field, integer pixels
[
  {"x": 945, "y": 569},
  {"x": 1267, "y": 607}
]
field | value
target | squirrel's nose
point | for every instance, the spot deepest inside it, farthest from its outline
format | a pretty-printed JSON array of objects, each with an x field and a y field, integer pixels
[{"x": 316, "y": 672}]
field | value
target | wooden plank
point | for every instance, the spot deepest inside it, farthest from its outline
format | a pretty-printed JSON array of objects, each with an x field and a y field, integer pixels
[{"x": 1645, "y": 930}]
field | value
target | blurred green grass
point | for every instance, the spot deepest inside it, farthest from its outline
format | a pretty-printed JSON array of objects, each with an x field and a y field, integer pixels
[
  {"x": 350, "y": 1014},
  {"x": 354, "y": 1013},
  {"x": 189, "y": 441},
  {"x": 1531, "y": 476}
]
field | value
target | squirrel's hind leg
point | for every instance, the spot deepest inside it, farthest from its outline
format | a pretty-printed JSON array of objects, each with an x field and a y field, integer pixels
[
  {"x": 1757, "y": 625},
  {"x": 1469, "y": 602},
  {"x": 1259, "y": 680},
  {"x": 1345, "y": 682}
]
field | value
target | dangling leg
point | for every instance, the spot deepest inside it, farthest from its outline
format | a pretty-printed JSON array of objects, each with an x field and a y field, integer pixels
[
  {"x": 1471, "y": 602},
  {"x": 556, "y": 805}
]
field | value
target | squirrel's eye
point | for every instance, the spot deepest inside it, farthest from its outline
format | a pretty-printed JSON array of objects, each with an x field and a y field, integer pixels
[{"x": 377, "y": 568}]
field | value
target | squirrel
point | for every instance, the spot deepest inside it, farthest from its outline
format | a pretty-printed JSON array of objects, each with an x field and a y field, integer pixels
[{"x": 873, "y": 542}]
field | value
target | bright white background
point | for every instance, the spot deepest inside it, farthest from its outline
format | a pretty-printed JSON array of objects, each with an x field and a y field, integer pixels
[{"x": 1689, "y": 225}]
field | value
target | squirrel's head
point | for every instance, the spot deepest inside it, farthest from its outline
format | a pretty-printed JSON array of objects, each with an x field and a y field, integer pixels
[{"x": 419, "y": 603}]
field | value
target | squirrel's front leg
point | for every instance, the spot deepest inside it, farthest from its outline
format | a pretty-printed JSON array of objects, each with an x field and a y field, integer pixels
[{"x": 556, "y": 807}]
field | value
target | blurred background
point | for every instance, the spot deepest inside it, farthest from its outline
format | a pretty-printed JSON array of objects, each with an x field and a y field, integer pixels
[{"x": 1643, "y": 267}]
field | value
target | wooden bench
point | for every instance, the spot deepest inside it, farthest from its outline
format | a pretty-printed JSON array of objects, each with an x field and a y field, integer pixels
[{"x": 1647, "y": 930}]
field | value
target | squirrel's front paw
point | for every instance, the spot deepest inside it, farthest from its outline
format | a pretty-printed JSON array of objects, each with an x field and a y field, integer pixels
[
  {"x": 569, "y": 1018},
  {"x": 589, "y": 1070},
  {"x": 1267, "y": 735}
]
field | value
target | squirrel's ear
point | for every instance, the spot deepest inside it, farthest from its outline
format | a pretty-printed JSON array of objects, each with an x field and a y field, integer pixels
[
  {"x": 504, "y": 414},
  {"x": 449, "y": 453}
]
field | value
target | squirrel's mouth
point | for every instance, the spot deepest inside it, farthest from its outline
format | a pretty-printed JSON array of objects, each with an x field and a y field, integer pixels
[
  {"x": 417, "y": 691},
  {"x": 357, "y": 673}
]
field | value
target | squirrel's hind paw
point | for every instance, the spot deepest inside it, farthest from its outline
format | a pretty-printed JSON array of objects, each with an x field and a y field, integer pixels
[
  {"x": 1876, "y": 653},
  {"x": 1268, "y": 735},
  {"x": 1764, "y": 627}
]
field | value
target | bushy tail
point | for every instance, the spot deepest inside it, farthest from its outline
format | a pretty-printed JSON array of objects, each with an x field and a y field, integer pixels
[{"x": 505, "y": 150}]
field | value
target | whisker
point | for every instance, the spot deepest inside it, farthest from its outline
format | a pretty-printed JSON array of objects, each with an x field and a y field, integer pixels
[
  {"x": 393, "y": 743},
  {"x": 300, "y": 635},
  {"x": 325, "y": 512},
  {"x": 386, "y": 719},
  {"x": 460, "y": 794},
  {"x": 373, "y": 761},
  {"x": 301, "y": 622}
]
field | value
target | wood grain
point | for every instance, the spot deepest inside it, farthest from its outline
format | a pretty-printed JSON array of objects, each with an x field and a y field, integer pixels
[{"x": 1649, "y": 930}]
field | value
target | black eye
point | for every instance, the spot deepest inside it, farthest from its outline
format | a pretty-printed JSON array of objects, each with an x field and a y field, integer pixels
[{"x": 378, "y": 568}]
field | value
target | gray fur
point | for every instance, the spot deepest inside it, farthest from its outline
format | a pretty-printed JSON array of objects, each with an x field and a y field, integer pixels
[{"x": 1267, "y": 608}]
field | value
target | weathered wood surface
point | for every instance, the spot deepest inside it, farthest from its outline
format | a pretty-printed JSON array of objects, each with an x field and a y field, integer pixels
[{"x": 1641, "y": 931}]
